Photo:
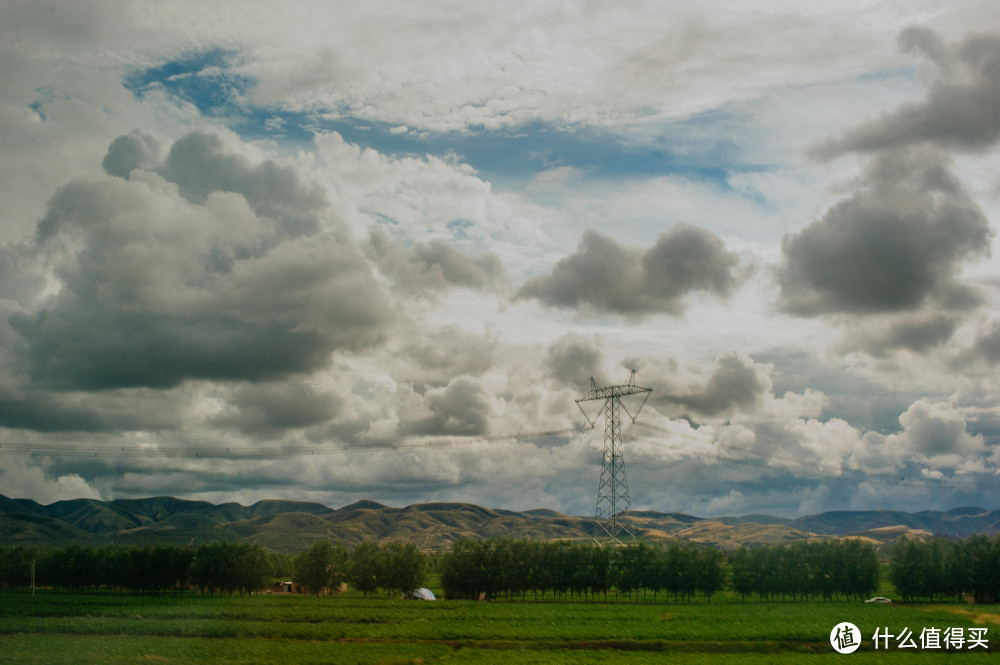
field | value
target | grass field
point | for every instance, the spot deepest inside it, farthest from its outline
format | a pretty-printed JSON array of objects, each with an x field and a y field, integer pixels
[{"x": 349, "y": 629}]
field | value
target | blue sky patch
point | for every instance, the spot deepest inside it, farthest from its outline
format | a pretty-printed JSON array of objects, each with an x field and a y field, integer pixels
[
  {"x": 205, "y": 79},
  {"x": 36, "y": 106},
  {"x": 509, "y": 158}
]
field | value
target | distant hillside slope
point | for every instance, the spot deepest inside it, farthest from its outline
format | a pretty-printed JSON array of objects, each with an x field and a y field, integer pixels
[
  {"x": 956, "y": 523},
  {"x": 292, "y": 525}
]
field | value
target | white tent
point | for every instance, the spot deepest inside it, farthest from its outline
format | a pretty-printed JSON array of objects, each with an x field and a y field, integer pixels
[{"x": 423, "y": 593}]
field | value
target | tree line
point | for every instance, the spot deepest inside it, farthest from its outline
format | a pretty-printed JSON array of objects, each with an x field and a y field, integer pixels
[
  {"x": 394, "y": 568},
  {"x": 939, "y": 569},
  {"x": 220, "y": 566},
  {"x": 933, "y": 569},
  {"x": 503, "y": 567},
  {"x": 806, "y": 569},
  {"x": 223, "y": 567}
]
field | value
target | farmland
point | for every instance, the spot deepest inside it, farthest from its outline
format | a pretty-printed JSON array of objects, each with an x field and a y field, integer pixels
[{"x": 348, "y": 628}]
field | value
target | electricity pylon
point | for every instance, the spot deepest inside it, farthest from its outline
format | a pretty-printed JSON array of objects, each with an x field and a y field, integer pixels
[{"x": 612, "y": 493}]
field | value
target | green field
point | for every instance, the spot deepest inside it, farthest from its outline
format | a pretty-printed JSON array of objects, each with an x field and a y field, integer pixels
[{"x": 111, "y": 628}]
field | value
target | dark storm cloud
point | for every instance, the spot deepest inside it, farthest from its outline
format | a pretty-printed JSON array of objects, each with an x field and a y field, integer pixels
[
  {"x": 987, "y": 345},
  {"x": 896, "y": 244},
  {"x": 735, "y": 382},
  {"x": 88, "y": 345},
  {"x": 262, "y": 409},
  {"x": 131, "y": 151},
  {"x": 156, "y": 289},
  {"x": 936, "y": 429},
  {"x": 448, "y": 352},
  {"x": 605, "y": 276},
  {"x": 21, "y": 275},
  {"x": 573, "y": 359},
  {"x": 986, "y": 348},
  {"x": 916, "y": 333},
  {"x": 80, "y": 412},
  {"x": 959, "y": 109},
  {"x": 434, "y": 266},
  {"x": 463, "y": 407},
  {"x": 199, "y": 164}
]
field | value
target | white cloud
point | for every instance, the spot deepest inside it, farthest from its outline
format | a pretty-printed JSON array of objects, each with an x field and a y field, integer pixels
[
  {"x": 732, "y": 503},
  {"x": 28, "y": 478},
  {"x": 476, "y": 143}
]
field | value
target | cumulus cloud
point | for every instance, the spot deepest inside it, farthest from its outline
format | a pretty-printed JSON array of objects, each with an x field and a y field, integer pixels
[
  {"x": 894, "y": 249},
  {"x": 931, "y": 433},
  {"x": 156, "y": 288},
  {"x": 432, "y": 267},
  {"x": 782, "y": 441},
  {"x": 607, "y": 277},
  {"x": 958, "y": 110},
  {"x": 896, "y": 244}
]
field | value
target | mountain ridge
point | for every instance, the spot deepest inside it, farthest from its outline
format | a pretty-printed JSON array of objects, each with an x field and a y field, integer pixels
[{"x": 293, "y": 525}]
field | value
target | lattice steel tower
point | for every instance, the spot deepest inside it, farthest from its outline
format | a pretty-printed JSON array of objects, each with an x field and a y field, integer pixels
[{"x": 612, "y": 493}]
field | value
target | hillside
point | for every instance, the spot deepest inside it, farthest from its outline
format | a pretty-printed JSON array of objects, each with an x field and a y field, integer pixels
[{"x": 291, "y": 525}]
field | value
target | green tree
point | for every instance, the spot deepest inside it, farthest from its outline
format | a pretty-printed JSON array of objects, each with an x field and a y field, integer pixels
[
  {"x": 917, "y": 567},
  {"x": 231, "y": 567},
  {"x": 743, "y": 572},
  {"x": 15, "y": 565},
  {"x": 314, "y": 567},
  {"x": 253, "y": 567},
  {"x": 282, "y": 564},
  {"x": 523, "y": 561},
  {"x": 460, "y": 568},
  {"x": 365, "y": 568},
  {"x": 982, "y": 557},
  {"x": 596, "y": 573},
  {"x": 403, "y": 567},
  {"x": 632, "y": 567},
  {"x": 710, "y": 573},
  {"x": 859, "y": 572}
]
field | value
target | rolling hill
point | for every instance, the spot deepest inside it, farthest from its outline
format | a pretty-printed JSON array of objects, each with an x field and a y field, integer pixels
[{"x": 292, "y": 525}]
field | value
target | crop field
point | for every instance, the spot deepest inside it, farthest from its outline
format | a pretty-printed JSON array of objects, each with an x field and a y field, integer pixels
[{"x": 110, "y": 628}]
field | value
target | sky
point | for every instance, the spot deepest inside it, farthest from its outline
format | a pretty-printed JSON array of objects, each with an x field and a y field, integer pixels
[{"x": 332, "y": 251}]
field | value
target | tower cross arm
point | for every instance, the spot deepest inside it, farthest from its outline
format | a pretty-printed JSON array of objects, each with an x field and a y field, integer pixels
[{"x": 613, "y": 391}]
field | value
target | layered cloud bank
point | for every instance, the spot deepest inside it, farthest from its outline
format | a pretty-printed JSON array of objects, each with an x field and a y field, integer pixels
[{"x": 383, "y": 263}]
